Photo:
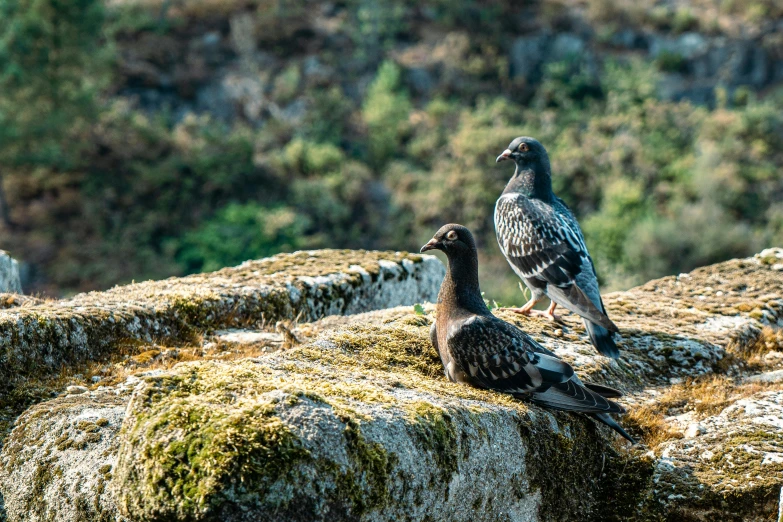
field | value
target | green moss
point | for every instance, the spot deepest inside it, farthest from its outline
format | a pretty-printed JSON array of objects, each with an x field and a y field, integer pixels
[
  {"x": 175, "y": 309},
  {"x": 741, "y": 453},
  {"x": 553, "y": 460},
  {"x": 44, "y": 473},
  {"x": 625, "y": 488},
  {"x": 145, "y": 356},
  {"x": 365, "y": 485},
  {"x": 220, "y": 456},
  {"x": 88, "y": 426},
  {"x": 436, "y": 432}
]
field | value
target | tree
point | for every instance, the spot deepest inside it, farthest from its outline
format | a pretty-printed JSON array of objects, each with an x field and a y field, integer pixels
[{"x": 53, "y": 65}]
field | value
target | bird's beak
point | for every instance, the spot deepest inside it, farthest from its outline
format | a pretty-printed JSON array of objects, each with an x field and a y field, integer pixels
[
  {"x": 506, "y": 154},
  {"x": 432, "y": 244}
]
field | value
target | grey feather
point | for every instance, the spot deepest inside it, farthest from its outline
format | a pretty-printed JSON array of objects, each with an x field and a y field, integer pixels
[
  {"x": 481, "y": 350},
  {"x": 542, "y": 241},
  {"x": 604, "y": 391}
]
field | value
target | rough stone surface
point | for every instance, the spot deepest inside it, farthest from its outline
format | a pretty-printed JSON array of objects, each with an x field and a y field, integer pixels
[
  {"x": 65, "y": 455},
  {"x": 9, "y": 274},
  {"x": 304, "y": 285},
  {"x": 732, "y": 471},
  {"x": 358, "y": 423}
]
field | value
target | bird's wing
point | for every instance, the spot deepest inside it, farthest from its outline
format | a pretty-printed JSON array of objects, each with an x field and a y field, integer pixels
[
  {"x": 501, "y": 357},
  {"x": 586, "y": 280},
  {"x": 573, "y": 396},
  {"x": 603, "y": 391},
  {"x": 543, "y": 244},
  {"x": 537, "y": 241}
]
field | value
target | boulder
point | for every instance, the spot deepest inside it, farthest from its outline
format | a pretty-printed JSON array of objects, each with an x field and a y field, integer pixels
[
  {"x": 357, "y": 422},
  {"x": 304, "y": 285},
  {"x": 9, "y": 274},
  {"x": 66, "y": 453}
]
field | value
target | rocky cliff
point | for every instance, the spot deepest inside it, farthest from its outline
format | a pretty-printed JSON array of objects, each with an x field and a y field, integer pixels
[
  {"x": 226, "y": 62},
  {"x": 348, "y": 417}
]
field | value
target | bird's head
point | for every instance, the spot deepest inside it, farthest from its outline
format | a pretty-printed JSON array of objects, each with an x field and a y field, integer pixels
[
  {"x": 451, "y": 239},
  {"x": 524, "y": 151}
]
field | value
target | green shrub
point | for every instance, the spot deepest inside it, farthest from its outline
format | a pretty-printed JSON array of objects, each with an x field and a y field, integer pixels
[
  {"x": 385, "y": 111},
  {"x": 240, "y": 232}
]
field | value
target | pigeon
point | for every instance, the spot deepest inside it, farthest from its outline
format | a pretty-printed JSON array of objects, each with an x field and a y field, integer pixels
[
  {"x": 542, "y": 241},
  {"x": 481, "y": 350}
]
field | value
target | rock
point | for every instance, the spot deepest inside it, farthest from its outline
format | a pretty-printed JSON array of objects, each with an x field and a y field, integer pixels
[
  {"x": 248, "y": 337},
  {"x": 630, "y": 39},
  {"x": 11, "y": 300},
  {"x": 526, "y": 57},
  {"x": 767, "y": 377},
  {"x": 76, "y": 390},
  {"x": 307, "y": 285},
  {"x": 67, "y": 461},
  {"x": 694, "y": 430},
  {"x": 691, "y": 45},
  {"x": 733, "y": 471},
  {"x": 358, "y": 423},
  {"x": 9, "y": 274},
  {"x": 566, "y": 46}
]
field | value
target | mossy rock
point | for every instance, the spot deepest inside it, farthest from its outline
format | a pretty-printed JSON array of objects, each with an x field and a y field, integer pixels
[
  {"x": 62, "y": 459},
  {"x": 306, "y": 285},
  {"x": 358, "y": 423}
]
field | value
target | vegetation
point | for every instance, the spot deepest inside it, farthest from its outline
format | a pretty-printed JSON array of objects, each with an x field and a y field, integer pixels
[{"x": 353, "y": 146}]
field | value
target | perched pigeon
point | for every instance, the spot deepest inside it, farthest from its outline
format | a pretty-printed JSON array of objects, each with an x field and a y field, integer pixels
[
  {"x": 543, "y": 243},
  {"x": 478, "y": 349}
]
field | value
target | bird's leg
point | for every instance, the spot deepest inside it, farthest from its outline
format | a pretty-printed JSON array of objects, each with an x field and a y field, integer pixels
[
  {"x": 550, "y": 313},
  {"x": 527, "y": 309}
]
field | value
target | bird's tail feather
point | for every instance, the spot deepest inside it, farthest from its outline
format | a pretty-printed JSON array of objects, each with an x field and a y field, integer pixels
[
  {"x": 603, "y": 391},
  {"x": 572, "y": 298},
  {"x": 602, "y": 339},
  {"x": 609, "y": 421},
  {"x": 572, "y": 396}
]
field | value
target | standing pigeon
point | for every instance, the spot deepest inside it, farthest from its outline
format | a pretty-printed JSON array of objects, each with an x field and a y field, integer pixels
[
  {"x": 543, "y": 243},
  {"x": 478, "y": 349}
]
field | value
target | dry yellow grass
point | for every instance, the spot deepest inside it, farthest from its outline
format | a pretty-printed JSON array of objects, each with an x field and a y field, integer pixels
[{"x": 704, "y": 396}]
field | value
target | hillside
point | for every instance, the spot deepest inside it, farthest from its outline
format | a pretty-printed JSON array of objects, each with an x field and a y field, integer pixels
[{"x": 145, "y": 139}]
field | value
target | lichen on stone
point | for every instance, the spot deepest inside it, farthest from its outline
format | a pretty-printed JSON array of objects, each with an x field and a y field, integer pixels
[{"x": 358, "y": 422}]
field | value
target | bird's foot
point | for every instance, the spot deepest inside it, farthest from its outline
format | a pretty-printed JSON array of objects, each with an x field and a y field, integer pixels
[
  {"x": 548, "y": 315},
  {"x": 521, "y": 311},
  {"x": 530, "y": 312}
]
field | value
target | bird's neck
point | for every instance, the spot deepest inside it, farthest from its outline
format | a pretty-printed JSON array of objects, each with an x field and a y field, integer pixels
[
  {"x": 460, "y": 289},
  {"x": 532, "y": 181}
]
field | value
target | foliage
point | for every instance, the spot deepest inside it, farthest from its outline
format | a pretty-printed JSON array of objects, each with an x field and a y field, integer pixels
[
  {"x": 241, "y": 232},
  {"x": 386, "y": 112},
  {"x": 49, "y": 77},
  {"x": 378, "y": 130}
]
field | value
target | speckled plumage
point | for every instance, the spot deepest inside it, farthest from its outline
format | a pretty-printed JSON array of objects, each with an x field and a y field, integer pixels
[
  {"x": 542, "y": 241},
  {"x": 481, "y": 350}
]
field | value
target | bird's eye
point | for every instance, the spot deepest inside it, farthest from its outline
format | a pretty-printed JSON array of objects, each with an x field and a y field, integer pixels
[
  {"x": 451, "y": 236},
  {"x": 523, "y": 147}
]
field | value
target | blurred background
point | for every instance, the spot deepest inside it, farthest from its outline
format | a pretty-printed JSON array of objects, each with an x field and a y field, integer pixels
[{"x": 150, "y": 138}]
